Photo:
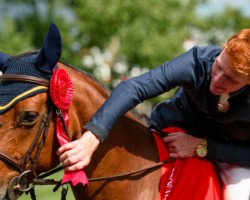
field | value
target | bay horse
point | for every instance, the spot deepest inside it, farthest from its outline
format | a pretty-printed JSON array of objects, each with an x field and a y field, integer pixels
[{"x": 129, "y": 146}]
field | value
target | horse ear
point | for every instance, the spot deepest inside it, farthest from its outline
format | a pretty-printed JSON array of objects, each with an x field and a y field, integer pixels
[
  {"x": 3, "y": 58},
  {"x": 50, "y": 51}
]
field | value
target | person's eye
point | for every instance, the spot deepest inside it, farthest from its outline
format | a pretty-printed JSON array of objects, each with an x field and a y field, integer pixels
[{"x": 218, "y": 66}]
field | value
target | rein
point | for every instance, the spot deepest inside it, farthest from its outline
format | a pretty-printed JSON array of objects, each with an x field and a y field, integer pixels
[
  {"x": 129, "y": 175},
  {"x": 27, "y": 179}
]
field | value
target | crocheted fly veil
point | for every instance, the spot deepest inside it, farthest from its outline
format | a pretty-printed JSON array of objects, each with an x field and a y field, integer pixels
[{"x": 39, "y": 64}]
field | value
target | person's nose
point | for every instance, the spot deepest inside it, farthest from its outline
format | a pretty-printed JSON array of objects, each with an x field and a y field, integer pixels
[{"x": 218, "y": 79}]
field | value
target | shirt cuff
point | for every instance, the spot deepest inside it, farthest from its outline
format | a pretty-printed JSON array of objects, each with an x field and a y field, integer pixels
[{"x": 96, "y": 130}]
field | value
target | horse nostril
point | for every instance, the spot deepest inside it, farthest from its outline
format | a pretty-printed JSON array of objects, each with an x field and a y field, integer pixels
[{"x": 1, "y": 124}]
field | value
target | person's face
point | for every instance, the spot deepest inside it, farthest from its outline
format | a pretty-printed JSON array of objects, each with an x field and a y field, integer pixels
[{"x": 224, "y": 79}]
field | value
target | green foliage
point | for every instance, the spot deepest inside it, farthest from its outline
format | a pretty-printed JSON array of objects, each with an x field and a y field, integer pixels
[
  {"x": 12, "y": 43},
  {"x": 24, "y": 24},
  {"x": 147, "y": 33},
  {"x": 219, "y": 26},
  {"x": 150, "y": 32}
]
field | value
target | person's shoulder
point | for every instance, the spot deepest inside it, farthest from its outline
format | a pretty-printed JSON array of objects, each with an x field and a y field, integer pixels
[{"x": 209, "y": 52}]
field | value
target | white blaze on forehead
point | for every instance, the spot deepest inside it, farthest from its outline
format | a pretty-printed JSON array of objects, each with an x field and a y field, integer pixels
[{"x": 1, "y": 73}]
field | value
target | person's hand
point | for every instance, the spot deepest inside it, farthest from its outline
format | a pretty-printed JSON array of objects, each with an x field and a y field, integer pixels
[
  {"x": 77, "y": 154},
  {"x": 181, "y": 145}
]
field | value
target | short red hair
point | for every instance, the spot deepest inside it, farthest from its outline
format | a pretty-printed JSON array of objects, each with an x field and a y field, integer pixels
[{"x": 238, "y": 51}]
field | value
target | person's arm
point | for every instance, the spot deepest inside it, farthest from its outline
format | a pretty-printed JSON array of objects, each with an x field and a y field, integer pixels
[
  {"x": 228, "y": 152},
  {"x": 182, "y": 71},
  {"x": 185, "y": 70},
  {"x": 182, "y": 145}
]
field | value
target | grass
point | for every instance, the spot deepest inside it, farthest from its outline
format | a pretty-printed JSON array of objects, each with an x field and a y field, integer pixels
[{"x": 46, "y": 192}]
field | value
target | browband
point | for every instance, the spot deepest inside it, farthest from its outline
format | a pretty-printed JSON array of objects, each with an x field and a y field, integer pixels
[{"x": 23, "y": 78}]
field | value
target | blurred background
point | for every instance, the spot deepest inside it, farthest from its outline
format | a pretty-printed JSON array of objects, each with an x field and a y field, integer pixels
[{"x": 117, "y": 39}]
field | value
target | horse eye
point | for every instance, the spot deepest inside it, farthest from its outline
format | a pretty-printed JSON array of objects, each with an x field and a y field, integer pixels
[{"x": 28, "y": 118}]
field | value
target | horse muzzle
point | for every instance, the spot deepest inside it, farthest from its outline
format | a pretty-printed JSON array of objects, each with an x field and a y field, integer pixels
[{"x": 20, "y": 184}]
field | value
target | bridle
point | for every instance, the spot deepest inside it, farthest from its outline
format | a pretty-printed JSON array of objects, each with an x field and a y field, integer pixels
[
  {"x": 27, "y": 179},
  {"x": 24, "y": 182}
]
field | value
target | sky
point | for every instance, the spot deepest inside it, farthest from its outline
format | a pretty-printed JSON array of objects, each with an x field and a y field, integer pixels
[{"x": 217, "y": 5}]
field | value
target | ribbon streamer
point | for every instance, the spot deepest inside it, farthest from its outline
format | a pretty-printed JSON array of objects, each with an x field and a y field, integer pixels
[{"x": 61, "y": 92}]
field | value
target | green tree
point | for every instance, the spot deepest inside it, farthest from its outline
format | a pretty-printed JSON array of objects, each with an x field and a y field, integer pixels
[
  {"x": 25, "y": 22},
  {"x": 150, "y": 32},
  {"x": 139, "y": 33},
  {"x": 217, "y": 27}
]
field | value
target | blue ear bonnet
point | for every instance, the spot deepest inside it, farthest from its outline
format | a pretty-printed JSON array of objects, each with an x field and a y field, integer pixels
[
  {"x": 13, "y": 92},
  {"x": 26, "y": 65},
  {"x": 39, "y": 64}
]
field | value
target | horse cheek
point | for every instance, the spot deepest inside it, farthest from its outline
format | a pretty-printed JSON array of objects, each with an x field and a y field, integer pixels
[{"x": 7, "y": 145}]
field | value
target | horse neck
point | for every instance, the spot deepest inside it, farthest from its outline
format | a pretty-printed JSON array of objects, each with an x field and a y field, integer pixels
[
  {"x": 89, "y": 95},
  {"x": 128, "y": 147},
  {"x": 130, "y": 134}
]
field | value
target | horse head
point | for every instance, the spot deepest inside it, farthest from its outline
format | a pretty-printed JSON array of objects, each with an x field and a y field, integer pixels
[
  {"x": 24, "y": 86},
  {"x": 27, "y": 115}
]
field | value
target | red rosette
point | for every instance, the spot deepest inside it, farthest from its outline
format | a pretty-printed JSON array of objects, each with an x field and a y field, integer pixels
[{"x": 61, "y": 89}]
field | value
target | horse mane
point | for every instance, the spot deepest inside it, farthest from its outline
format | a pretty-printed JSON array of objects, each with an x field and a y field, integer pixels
[{"x": 86, "y": 74}]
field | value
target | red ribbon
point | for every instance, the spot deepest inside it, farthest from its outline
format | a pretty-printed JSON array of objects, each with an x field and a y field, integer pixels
[
  {"x": 61, "y": 92},
  {"x": 76, "y": 176}
]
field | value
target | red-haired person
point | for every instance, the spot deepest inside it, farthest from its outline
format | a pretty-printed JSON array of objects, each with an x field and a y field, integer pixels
[{"x": 212, "y": 104}]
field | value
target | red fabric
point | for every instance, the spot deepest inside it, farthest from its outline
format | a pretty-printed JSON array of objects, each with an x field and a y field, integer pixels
[
  {"x": 189, "y": 179},
  {"x": 61, "y": 92},
  {"x": 76, "y": 176}
]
